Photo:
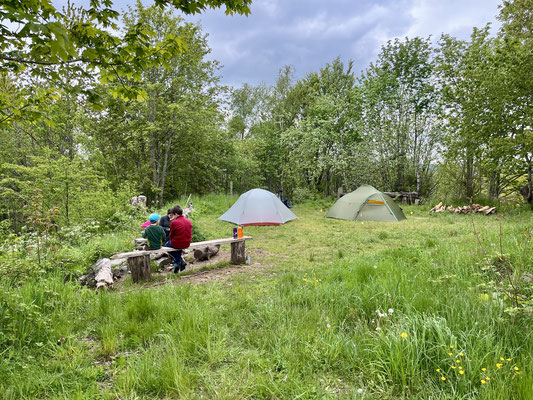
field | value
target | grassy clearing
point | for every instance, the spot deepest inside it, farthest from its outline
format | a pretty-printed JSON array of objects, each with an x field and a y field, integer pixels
[{"x": 344, "y": 310}]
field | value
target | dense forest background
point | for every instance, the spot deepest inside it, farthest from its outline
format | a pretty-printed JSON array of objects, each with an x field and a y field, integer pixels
[{"x": 447, "y": 118}]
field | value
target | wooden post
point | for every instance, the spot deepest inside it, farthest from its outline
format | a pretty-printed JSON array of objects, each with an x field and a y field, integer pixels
[
  {"x": 231, "y": 188},
  {"x": 140, "y": 267},
  {"x": 238, "y": 252}
]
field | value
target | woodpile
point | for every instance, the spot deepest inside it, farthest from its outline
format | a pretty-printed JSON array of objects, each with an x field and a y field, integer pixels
[{"x": 471, "y": 209}]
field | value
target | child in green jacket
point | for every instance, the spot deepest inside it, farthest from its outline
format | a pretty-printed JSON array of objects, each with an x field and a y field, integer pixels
[{"x": 155, "y": 234}]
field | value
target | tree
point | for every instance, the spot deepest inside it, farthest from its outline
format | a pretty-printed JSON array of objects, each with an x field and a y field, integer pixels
[
  {"x": 169, "y": 143},
  {"x": 77, "y": 44},
  {"x": 400, "y": 114},
  {"x": 320, "y": 143}
]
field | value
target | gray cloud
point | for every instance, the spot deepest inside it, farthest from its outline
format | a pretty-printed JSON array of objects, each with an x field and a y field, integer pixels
[{"x": 307, "y": 34}]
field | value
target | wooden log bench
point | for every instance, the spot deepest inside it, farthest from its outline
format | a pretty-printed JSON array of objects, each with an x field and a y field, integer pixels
[{"x": 139, "y": 260}]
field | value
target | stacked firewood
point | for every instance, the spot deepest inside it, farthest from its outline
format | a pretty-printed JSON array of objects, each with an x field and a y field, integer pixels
[{"x": 471, "y": 209}]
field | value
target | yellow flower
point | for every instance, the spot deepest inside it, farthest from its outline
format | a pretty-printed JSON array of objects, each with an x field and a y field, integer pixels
[
  {"x": 487, "y": 378},
  {"x": 461, "y": 372},
  {"x": 450, "y": 354},
  {"x": 461, "y": 354},
  {"x": 442, "y": 378},
  {"x": 508, "y": 359},
  {"x": 451, "y": 347},
  {"x": 404, "y": 335},
  {"x": 499, "y": 365},
  {"x": 483, "y": 369},
  {"x": 453, "y": 366},
  {"x": 483, "y": 381},
  {"x": 516, "y": 368},
  {"x": 501, "y": 358},
  {"x": 460, "y": 367},
  {"x": 457, "y": 361},
  {"x": 438, "y": 370}
]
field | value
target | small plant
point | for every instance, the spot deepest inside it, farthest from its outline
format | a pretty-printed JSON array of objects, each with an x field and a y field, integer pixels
[{"x": 509, "y": 275}]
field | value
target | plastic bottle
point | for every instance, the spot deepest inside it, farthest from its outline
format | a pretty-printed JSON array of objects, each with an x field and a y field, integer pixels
[{"x": 240, "y": 233}]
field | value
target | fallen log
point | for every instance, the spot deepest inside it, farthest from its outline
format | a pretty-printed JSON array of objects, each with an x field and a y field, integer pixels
[
  {"x": 206, "y": 252},
  {"x": 104, "y": 276},
  {"x": 101, "y": 274}
]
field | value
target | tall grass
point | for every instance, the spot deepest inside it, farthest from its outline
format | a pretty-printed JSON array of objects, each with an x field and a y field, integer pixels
[{"x": 380, "y": 311}]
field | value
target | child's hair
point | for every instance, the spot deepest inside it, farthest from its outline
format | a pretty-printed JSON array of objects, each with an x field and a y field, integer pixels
[
  {"x": 170, "y": 211},
  {"x": 177, "y": 210}
]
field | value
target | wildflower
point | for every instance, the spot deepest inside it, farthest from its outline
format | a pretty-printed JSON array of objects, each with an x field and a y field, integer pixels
[
  {"x": 462, "y": 372},
  {"x": 457, "y": 361},
  {"x": 451, "y": 347},
  {"x": 460, "y": 367},
  {"x": 516, "y": 368},
  {"x": 487, "y": 378},
  {"x": 328, "y": 326},
  {"x": 375, "y": 267},
  {"x": 442, "y": 378},
  {"x": 499, "y": 365},
  {"x": 461, "y": 354},
  {"x": 438, "y": 370},
  {"x": 378, "y": 328},
  {"x": 501, "y": 358},
  {"x": 390, "y": 311},
  {"x": 483, "y": 369},
  {"x": 508, "y": 359},
  {"x": 483, "y": 381},
  {"x": 453, "y": 367},
  {"x": 450, "y": 354},
  {"x": 360, "y": 390},
  {"x": 404, "y": 335}
]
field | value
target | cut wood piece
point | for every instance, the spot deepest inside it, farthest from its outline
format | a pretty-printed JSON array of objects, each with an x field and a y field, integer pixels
[
  {"x": 490, "y": 211},
  {"x": 238, "y": 255},
  {"x": 104, "y": 274},
  {"x": 118, "y": 261},
  {"x": 163, "y": 261},
  {"x": 205, "y": 253},
  {"x": 140, "y": 268}
]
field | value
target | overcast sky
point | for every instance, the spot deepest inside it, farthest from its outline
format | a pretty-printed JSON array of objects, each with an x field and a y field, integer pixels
[{"x": 307, "y": 34}]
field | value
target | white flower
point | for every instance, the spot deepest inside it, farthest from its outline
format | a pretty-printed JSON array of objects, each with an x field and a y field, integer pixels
[
  {"x": 378, "y": 328},
  {"x": 328, "y": 326},
  {"x": 360, "y": 390},
  {"x": 391, "y": 311},
  {"x": 375, "y": 267}
]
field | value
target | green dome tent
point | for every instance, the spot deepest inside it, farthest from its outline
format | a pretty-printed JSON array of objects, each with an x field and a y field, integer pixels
[{"x": 366, "y": 204}]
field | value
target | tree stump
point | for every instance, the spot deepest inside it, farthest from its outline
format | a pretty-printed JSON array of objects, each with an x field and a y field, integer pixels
[
  {"x": 140, "y": 268},
  {"x": 238, "y": 252}
]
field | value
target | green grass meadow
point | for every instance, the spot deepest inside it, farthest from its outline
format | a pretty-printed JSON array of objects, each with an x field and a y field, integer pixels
[{"x": 329, "y": 309}]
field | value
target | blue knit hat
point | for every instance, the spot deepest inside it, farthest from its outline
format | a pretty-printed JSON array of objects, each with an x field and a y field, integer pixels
[{"x": 153, "y": 217}]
